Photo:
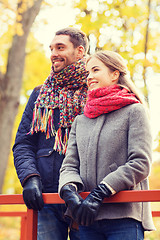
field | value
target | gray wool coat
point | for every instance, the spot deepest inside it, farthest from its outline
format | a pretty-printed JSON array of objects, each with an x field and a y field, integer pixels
[{"x": 115, "y": 147}]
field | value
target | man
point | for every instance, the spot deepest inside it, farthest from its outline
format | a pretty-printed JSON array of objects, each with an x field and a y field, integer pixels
[{"x": 42, "y": 135}]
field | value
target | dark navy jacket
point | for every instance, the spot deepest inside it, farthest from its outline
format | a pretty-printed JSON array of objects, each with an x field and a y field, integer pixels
[{"x": 34, "y": 154}]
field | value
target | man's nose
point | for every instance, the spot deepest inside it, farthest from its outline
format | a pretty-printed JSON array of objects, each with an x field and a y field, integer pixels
[{"x": 54, "y": 53}]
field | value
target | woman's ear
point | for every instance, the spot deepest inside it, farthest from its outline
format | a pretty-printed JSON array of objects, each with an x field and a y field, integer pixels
[{"x": 115, "y": 76}]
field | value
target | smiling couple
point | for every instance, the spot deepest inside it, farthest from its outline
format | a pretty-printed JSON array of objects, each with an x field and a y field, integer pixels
[{"x": 107, "y": 150}]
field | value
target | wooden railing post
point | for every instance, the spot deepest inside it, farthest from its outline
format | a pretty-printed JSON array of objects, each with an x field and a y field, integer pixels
[
  {"x": 32, "y": 224},
  {"x": 23, "y": 233}
]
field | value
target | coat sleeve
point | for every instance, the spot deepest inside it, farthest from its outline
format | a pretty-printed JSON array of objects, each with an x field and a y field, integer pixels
[
  {"x": 138, "y": 164},
  {"x": 24, "y": 149},
  {"x": 69, "y": 172}
]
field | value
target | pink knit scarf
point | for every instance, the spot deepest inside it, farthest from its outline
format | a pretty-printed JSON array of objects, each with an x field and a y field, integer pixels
[{"x": 107, "y": 99}]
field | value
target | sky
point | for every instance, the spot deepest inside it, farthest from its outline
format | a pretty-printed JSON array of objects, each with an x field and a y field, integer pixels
[
  {"x": 57, "y": 17},
  {"x": 63, "y": 16}
]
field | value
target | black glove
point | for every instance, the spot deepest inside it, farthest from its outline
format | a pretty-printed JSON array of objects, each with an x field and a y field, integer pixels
[
  {"x": 72, "y": 199},
  {"x": 32, "y": 193},
  {"x": 90, "y": 206}
]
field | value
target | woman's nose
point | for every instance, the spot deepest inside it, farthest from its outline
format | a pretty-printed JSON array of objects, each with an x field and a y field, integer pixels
[{"x": 89, "y": 75}]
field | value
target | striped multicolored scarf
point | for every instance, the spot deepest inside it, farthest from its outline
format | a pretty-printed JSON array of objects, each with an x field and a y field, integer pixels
[
  {"x": 107, "y": 99},
  {"x": 67, "y": 91}
]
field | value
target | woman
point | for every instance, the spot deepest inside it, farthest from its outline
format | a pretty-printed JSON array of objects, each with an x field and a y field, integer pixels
[{"x": 109, "y": 150}]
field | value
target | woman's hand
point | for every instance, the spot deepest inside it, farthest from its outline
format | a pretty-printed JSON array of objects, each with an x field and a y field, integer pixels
[
  {"x": 72, "y": 199},
  {"x": 90, "y": 206}
]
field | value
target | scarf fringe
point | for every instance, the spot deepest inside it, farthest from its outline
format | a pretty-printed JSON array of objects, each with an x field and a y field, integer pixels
[
  {"x": 43, "y": 121},
  {"x": 66, "y": 90},
  {"x": 61, "y": 146}
]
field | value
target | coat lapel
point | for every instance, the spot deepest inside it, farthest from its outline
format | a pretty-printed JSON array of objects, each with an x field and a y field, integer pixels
[{"x": 92, "y": 152}]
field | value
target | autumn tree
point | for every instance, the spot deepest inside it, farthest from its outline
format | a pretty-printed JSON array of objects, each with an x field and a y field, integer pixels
[
  {"x": 37, "y": 68},
  {"x": 124, "y": 26},
  {"x": 11, "y": 78}
]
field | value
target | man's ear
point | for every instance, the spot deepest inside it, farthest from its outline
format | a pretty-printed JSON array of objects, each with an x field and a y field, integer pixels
[
  {"x": 115, "y": 76},
  {"x": 80, "y": 52}
]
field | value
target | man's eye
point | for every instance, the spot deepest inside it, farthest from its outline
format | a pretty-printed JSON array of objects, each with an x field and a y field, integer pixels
[
  {"x": 60, "y": 47},
  {"x": 96, "y": 69}
]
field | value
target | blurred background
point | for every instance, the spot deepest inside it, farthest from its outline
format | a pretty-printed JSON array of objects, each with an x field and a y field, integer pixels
[{"x": 129, "y": 27}]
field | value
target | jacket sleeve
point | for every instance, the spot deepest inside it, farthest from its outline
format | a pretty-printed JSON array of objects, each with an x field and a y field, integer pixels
[
  {"x": 138, "y": 163},
  {"x": 24, "y": 149},
  {"x": 69, "y": 172}
]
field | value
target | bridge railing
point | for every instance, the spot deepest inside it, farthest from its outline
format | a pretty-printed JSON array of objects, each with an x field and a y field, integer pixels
[{"x": 29, "y": 218}]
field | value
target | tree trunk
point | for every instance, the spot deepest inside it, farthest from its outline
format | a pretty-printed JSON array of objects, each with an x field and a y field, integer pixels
[
  {"x": 145, "y": 51},
  {"x": 10, "y": 84}
]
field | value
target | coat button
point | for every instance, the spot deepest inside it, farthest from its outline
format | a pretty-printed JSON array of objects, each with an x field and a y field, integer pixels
[{"x": 50, "y": 152}]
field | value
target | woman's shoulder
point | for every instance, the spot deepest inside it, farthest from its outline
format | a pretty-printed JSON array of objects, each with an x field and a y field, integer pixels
[
  {"x": 132, "y": 111},
  {"x": 81, "y": 118},
  {"x": 138, "y": 108},
  {"x": 139, "y": 113},
  {"x": 134, "y": 108}
]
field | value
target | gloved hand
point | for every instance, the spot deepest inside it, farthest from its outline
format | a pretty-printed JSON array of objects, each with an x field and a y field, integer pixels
[
  {"x": 32, "y": 193},
  {"x": 72, "y": 199},
  {"x": 89, "y": 208}
]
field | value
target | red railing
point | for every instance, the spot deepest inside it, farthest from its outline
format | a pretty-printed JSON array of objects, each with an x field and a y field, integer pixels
[{"x": 29, "y": 218}]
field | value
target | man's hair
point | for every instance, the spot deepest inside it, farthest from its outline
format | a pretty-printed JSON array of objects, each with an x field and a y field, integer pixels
[{"x": 77, "y": 37}]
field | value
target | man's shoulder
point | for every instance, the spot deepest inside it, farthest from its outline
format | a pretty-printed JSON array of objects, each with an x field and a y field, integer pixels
[
  {"x": 34, "y": 94},
  {"x": 36, "y": 91},
  {"x": 37, "y": 88}
]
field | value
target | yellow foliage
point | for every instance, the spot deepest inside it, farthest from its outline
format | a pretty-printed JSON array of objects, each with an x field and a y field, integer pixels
[
  {"x": 18, "y": 29},
  {"x": 10, "y": 226},
  {"x": 82, "y": 4},
  {"x": 22, "y": 9},
  {"x": 19, "y": 18},
  {"x": 154, "y": 177},
  {"x": 25, "y": 4},
  {"x": 5, "y": 43},
  {"x": 134, "y": 11},
  {"x": 37, "y": 68}
]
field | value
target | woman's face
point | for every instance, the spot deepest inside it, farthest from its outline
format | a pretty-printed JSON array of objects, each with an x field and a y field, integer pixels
[{"x": 100, "y": 75}]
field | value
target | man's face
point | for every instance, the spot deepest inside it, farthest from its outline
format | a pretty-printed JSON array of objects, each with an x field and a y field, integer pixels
[{"x": 63, "y": 52}]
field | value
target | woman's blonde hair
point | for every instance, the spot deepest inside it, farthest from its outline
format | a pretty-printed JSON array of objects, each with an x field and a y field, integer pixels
[{"x": 115, "y": 61}]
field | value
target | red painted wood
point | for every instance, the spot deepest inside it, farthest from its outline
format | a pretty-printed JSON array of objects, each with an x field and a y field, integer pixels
[
  {"x": 155, "y": 213},
  {"x": 23, "y": 233},
  {"x": 31, "y": 224},
  {"x": 29, "y": 218}
]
